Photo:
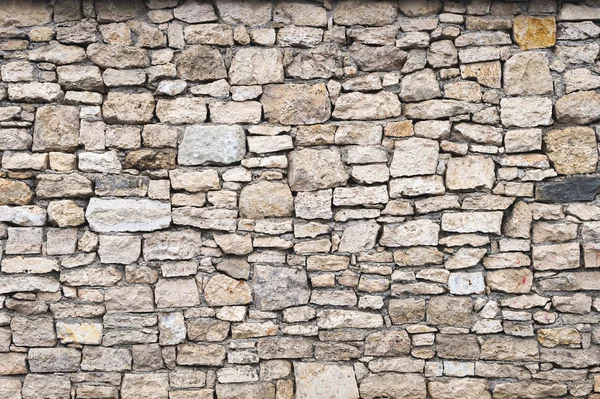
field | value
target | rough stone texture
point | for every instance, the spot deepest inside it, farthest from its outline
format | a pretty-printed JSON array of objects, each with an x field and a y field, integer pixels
[{"x": 299, "y": 199}]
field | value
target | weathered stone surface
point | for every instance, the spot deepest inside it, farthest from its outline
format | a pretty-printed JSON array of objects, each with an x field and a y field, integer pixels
[
  {"x": 383, "y": 58},
  {"x": 252, "y": 66},
  {"x": 578, "y": 108},
  {"x": 212, "y": 144},
  {"x": 56, "y": 128},
  {"x": 222, "y": 290},
  {"x": 470, "y": 172},
  {"x": 468, "y": 388},
  {"x": 117, "y": 56},
  {"x": 516, "y": 281},
  {"x": 572, "y": 150},
  {"x": 352, "y": 12},
  {"x": 279, "y": 287},
  {"x": 210, "y": 58},
  {"x": 414, "y": 156},
  {"x": 128, "y": 108},
  {"x": 313, "y": 380},
  {"x": 311, "y": 170},
  {"x": 573, "y": 189},
  {"x": 296, "y": 104},
  {"x": 410, "y": 386},
  {"x": 528, "y": 74},
  {"x": 411, "y": 233},
  {"x": 266, "y": 199},
  {"x": 382, "y": 105},
  {"x": 107, "y": 215}
]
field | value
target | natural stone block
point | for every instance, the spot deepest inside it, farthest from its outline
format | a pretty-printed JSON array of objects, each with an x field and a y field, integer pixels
[
  {"x": 534, "y": 32},
  {"x": 296, "y": 104}
]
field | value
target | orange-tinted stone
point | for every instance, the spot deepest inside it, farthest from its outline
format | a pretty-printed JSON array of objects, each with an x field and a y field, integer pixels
[
  {"x": 534, "y": 32},
  {"x": 399, "y": 129}
]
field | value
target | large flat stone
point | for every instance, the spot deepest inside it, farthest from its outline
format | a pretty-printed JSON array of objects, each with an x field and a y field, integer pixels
[
  {"x": 110, "y": 215},
  {"x": 319, "y": 380},
  {"x": 571, "y": 189}
]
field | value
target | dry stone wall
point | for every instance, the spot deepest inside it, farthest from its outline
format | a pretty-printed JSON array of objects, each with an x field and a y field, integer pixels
[{"x": 311, "y": 200}]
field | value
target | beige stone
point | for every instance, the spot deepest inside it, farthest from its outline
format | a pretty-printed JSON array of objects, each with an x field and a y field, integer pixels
[
  {"x": 296, "y": 104},
  {"x": 572, "y": 150}
]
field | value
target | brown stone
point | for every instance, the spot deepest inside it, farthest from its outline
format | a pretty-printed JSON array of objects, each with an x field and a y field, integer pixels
[{"x": 534, "y": 32}]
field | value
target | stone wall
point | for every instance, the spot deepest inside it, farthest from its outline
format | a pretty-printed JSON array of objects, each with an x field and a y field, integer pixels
[{"x": 311, "y": 200}]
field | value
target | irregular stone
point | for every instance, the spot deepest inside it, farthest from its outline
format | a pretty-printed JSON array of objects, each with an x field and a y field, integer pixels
[
  {"x": 279, "y": 287},
  {"x": 485, "y": 73},
  {"x": 515, "y": 281},
  {"x": 33, "y": 331},
  {"x": 442, "y": 54},
  {"x": 572, "y": 189},
  {"x": 117, "y": 56},
  {"x": 266, "y": 199},
  {"x": 470, "y": 172},
  {"x": 182, "y": 110},
  {"x": 296, "y": 104},
  {"x": 56, "y": 128},
  {"x": 193, "y": 12},
  {"x": 249, "y": 13},
  {"x": 504, "y": 348},
  {"x": 578, "y": 108},
  {"x": 359, "y": 236},
  {"x": 529, "y": 390},
  {"x": 313, "y": 381},
  {"x": 176, "y": 293},
  {"x": 410, "y": 386},
  {"x": 200, "y": 355},
  {"x": 436, "y": 109},
  {"x": 411, "y": 233},
  {"x": 526, "y": 111},
  {"x": 572, "y": 150},
  {"x": 57, "y": 53},
  {"x": 264, "y": 390},
  {"x": 450, "y": 311},
  {"x": 38, "y": 386},
  {"x": 534, "y": 32},
  {"x": 151, "y": 386},
  {"x": 381, "y": 58},
  {"x": 528, "y": 74},
  {"x": 210, "y": 58},
  {"x": 353, "y": 12},
  {"x": 128, "y": 108},
  {"x": 28, "y": 13},
  {"x": 466, "y": 283},
  {"x": 311, "y": 170},
  {"x": 414, "y": 156},
  {"x": 362, "y": 106},
  {"x": 79, "y": 333},
  {"x": 222, "y": 290},
  {"x": 468, "y": 388},
  {"x": 212, "y": 144},
  {"x": 556, "y": 256},
  {"x": 110, "y": 215},
  {"x": 53, "y": 360},
  {"x": 337, "y": 318},
  {"x": 256, "y": 66}
]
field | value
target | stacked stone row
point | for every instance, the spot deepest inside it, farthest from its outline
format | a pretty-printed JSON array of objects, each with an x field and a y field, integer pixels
[{"x": 278, "y": 200}]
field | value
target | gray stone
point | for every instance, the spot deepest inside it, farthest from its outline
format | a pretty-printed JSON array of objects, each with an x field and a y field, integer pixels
[
  {"x": 311, "y": 169},
  {"x": 212, "y": 144},
  {"x": 279, "y": 287}
]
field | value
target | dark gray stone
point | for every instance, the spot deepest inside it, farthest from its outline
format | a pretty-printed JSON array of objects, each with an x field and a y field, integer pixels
[{"x": 572, "y": 189}]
